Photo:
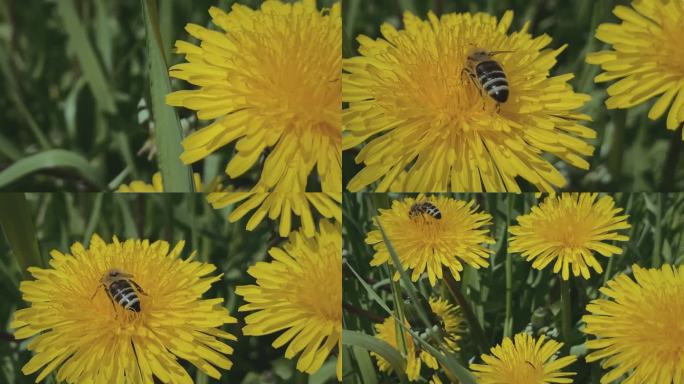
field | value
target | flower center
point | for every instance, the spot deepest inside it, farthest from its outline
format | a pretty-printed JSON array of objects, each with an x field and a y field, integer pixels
[
  {"x": 525, "y": 373},
  {"x": 664, "y": 332},
  {"x": 299, "y": 78},
  {"x": 567, "y": 229},
  {"x": 671, "y": 54},
  {"x": 319, "y": 288},
  {"x": 438, "y": 89}
]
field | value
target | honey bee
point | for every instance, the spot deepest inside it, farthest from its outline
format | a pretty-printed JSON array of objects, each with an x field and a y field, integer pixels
[
  {"x": 424, "y": 207},
  {"x": 121, "y": 289},
  {"x": 488, "y": 74}
]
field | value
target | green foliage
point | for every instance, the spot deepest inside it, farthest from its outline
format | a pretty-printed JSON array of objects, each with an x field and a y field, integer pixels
[
  {"x": 63, "y": 219},
  {"x": 631, "y": 150},
  {"x": 509, "y": 296}
]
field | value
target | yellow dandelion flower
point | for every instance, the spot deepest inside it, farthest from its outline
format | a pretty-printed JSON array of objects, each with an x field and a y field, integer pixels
[
  {"x": 451, "y": 321},
  {"x": 87, "y": 338},
  {"x": 424, "y": 242},
  {"x": 447, "y": 318},
  {"x": 157, "y": 185},
  {"x": 639, "y": 329},
  {"x": 647, "y": 58},
  {"x": 567, "y": 230},
  {"x": 280, "y": 205},
  {"x": 427, "y": 125},
  {"x": 524, "y": 361},
  {"x": 269, "y": 81},
  {"x": 387, "y": 332},
  {"x": 300, "y": 292}
]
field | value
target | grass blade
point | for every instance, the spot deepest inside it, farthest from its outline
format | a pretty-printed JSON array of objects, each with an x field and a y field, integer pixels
[
  {"x": 83, "y": 49},
  {"x": 372, "y": 344},
  {"x": 168, "y": 132},
  {"x": 54, "y": 158},
  {"x": 366, "y": 367},
  {"x": 17, "y": 224}
]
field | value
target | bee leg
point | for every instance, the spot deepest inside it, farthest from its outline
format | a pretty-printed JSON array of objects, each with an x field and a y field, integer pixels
[
  {"x": 139, "y": 288},
  {"x": 498, "y": 107},
  {"x": 473, "y": 78},
  {"x": 111, "y": 300},
  {"x": 94, "y": 293}
]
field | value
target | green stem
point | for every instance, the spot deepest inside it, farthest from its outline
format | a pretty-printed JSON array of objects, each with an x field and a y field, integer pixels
[
  {"x": 617, "y": 149},
  {"x": 658, "y": 235},
  {"x": 508, "y": 324},
  {"x": 475, "y": 328},
  {"x": 566, "y": 311}
]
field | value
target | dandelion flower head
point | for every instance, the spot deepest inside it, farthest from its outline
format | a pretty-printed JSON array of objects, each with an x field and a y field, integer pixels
[
  {"x": 646, "y": 58},
  {"x": 428, "y": 127},
  {"x": 567, "y": 229},
  {"x": 270, "y": 81},
  {"x": 77, "y": 331},
  {"x": 524, "y": 360},
  {"x": 300, "y": 292},
  {"x": 425, "y": 243},
  {"x": 638, "y": 327}
]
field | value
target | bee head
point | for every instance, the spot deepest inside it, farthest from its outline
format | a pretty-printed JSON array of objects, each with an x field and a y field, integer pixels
[
  {"x": 114, "y": 274},
  {"x": 478, "y": 54}
]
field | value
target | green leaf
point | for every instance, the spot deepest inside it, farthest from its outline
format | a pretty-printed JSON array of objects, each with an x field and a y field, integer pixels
[
  {"x": 83, "y": 49},
  {"x": 54, "y": 158},
  {"x": 366, "y": 367},
  {"x": 372, "y": 344},
  {"x": 325, "y": 374},
  {"x": 168, "y": 132},
  {"x": 16, "y": 220}
]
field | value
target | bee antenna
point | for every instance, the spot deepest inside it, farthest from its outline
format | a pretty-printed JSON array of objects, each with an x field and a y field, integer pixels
[{"x": 492, "y": 53}]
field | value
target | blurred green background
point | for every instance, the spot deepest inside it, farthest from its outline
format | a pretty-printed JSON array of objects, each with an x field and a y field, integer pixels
[
  {"x": 632, "y": 152},
  {"x": 75, "y": 94},
  {"x": 60, "y": 219},
  {"x": 529, "y": 296}
]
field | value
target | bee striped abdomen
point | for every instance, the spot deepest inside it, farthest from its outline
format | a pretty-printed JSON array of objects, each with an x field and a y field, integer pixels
[
  {"x": 123, "y": 293},
  {"x": 425, "y": 208},
  {"x": 493, "y": 80},
  {"x": 431, "y": 210}
]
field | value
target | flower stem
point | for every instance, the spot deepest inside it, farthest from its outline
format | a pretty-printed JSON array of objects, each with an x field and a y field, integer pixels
[
  {"x": 475, "y": 328},
  {"x": 658, "y": 235},
  {"x": 617, "y": 144},
  {"x": 671, "y": 160},
  {"x": 508, "y": 324},
  {"x": 566, "y": 311}
]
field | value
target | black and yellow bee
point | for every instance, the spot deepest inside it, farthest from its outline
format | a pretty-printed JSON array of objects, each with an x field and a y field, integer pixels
[
  {"x": 488, "y": 74},
  {"x": 121, "y": 289},
  {"x": 424, "y": 208}
]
